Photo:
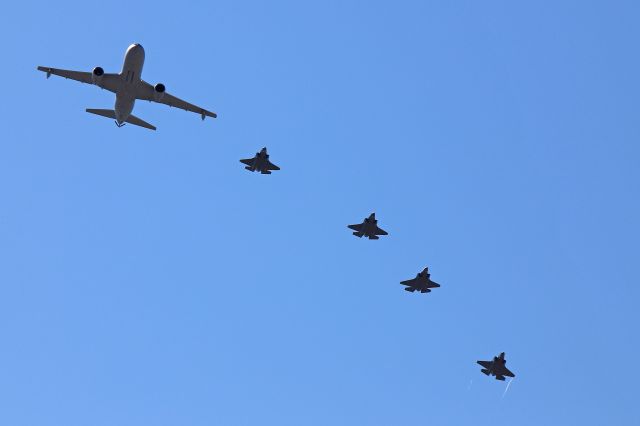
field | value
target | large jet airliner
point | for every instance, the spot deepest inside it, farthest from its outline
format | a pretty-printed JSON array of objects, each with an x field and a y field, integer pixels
[{"x": 128, "y": 86}]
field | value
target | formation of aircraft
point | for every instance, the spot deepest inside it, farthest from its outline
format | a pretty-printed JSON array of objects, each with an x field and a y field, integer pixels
[
  {"x": 422, "y": 282},
  {"x": 260, "y": 163},
  {"x": 369, "y": 228},
  {"x": 496, "y": 367},
  {"x": 128, "y": 87}
]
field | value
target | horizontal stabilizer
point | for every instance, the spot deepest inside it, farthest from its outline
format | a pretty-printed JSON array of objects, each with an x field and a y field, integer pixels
[
  {"x": 109, "y": 113},
  {"x": 411, "y": 289},
  {"x": 485, "y": 371},
  {"x": 138, "y": 122}
]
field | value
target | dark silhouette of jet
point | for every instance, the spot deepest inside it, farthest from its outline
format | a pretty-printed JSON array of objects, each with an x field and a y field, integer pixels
[
  {"x": 260, "y": 163},
  {"x": 421, "y": 282},
  {"x": 368, "y": 228},
  {"x": 496, "y": 367}
]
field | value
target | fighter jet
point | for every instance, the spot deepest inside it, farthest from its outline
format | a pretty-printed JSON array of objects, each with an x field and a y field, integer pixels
[
  {"x": 496, "y": 367},
  {"x": 421, "y": 282},
  {"x": 260, "y": 163},
  {"x": 368, "y": 228},
  {"x": 128, "y": 86}
]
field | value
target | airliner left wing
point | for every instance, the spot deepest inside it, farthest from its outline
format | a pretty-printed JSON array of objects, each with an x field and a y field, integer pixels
[
  {"x": 146, "y": 92},
  {"x": 106, "y": 81}
]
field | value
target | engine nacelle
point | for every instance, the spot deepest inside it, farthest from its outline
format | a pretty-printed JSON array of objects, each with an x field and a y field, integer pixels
[
  {"x": 158, "y": 91},
  {"x": 96, "y": 75}
]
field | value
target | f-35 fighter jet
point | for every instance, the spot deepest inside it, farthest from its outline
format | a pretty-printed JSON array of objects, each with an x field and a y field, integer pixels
[
  {"x": 260, "y": 163},
  {"x": 368, "y": 228},
  {"x": 421, "y": 282},
  {"x": 496, "y": 367}
]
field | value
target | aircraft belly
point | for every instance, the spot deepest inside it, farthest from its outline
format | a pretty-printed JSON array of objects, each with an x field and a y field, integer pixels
[{"x": 124, "y": 106}]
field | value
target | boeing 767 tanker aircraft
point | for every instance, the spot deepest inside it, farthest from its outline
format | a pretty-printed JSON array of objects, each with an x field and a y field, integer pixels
[{"x": 128, "y": 86}]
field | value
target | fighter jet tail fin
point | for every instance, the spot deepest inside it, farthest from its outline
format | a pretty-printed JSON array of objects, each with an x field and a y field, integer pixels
[{"x": 485, "y": 371}]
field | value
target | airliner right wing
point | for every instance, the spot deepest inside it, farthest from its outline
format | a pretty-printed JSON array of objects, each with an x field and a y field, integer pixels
[{"x": 146, "y": 92}]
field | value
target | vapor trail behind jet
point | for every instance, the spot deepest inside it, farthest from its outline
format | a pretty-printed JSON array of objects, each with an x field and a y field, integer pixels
[{"x": 507, "y": 388}]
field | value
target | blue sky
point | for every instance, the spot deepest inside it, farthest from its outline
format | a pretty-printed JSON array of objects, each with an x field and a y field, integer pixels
[{"x": 147, "y": 278}]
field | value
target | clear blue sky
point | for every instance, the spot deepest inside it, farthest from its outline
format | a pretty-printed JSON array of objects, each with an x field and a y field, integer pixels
[{"x": 146, "y": 278}]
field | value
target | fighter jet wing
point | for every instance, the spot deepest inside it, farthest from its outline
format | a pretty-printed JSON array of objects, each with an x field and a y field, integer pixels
[
  {"x": 145, "y": 91},
  {"x": 408, "y": 282},
  {"x": 107, "y": 81},
  {"x": 357, "y": 227},
  {"x": 247, "y": 161},
  {"x": 485, "y": 364},
  {"x": 271, "y": 166},
  {"x": 380, "y": 231},
  {"x": 505, "y": 372}
]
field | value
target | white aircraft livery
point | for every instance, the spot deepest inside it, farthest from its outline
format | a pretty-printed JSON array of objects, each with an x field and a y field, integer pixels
[{"x": 128, "y": 86}]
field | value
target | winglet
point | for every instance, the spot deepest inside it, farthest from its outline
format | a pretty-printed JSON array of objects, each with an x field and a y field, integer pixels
[{"x": 47, "y": 70}]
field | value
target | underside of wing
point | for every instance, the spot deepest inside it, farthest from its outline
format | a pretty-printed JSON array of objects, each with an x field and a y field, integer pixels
[
  {"x": 355, "y": 227},
  {"x": 380, "y": 231},
  {"x": 485, "y": 364},
  {"x": 105, "y": 81},
  {"x": 271, "y": 166},
  {"x": 147, "y": 92},
  {"x": 433, "y": 284},
  {"x": 247, "y": 161},
  {"x": 408, "y": 282},
  {"x": 506, "y": 372},
  {"x": 81, "y": 76}
]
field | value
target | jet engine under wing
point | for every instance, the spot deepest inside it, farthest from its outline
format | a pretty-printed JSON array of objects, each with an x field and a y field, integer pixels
[
  {"x": 145, "y": 91},
  {"x": 107, "y": 81}
]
